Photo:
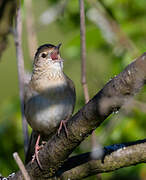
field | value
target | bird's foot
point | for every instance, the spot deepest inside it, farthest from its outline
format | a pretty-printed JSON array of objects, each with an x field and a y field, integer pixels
[
  {"x": 37, "y": 148},
  {"x": 63, "y": 124}
]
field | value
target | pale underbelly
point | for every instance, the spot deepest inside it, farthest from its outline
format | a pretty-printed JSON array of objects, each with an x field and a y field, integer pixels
[{"x": 46, "y": 116}]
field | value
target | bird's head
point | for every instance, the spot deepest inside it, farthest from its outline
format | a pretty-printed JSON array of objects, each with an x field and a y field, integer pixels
[{"x": 48, "y": 55}]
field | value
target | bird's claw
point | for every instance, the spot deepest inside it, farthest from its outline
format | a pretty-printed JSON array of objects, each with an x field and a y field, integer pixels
[
  {"x": 63, "y": 124},
  {"x": 35, "y": 156}
]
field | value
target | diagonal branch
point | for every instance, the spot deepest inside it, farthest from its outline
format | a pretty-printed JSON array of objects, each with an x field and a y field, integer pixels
[
  {"x": 21, "y": 166},
  {"x": 115, "y": 156},
  {"x": 114, "y": 94}
]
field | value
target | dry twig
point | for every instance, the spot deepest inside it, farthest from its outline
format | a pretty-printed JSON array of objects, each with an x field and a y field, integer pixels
[
  {"x": 30, "y": 27},
  {"x": 21, "y": 166},
  {"x": 83, "y": 62},
  {"x": 83, "y": 51},
  {"x": 21, "y": 73}
]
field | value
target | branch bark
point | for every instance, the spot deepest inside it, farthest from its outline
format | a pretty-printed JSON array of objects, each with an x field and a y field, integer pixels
[
  {"x": 115, "y": 156},
  {"x": 116, "y": 92}
]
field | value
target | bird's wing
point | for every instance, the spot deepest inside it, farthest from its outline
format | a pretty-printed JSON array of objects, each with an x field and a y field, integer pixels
[
  {"x": 71, "y": 90},
  {"x": 28, "y": 93},
  {"x": 31, "y": 146}
]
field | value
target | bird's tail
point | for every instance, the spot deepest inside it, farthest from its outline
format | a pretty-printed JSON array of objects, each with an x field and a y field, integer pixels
[{"x": 31, "y": 147}]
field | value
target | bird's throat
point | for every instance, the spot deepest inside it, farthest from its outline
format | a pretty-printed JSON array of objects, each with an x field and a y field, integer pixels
[{"x": 44, "y": 80}]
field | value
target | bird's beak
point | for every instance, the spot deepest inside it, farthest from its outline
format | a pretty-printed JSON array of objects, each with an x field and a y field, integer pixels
[{"x": 58, "y": 46}]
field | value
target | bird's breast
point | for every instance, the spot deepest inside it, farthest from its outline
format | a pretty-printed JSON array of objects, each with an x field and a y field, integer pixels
[{"x": 45, "y": 110}]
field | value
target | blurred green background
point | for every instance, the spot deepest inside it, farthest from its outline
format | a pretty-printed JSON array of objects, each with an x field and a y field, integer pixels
[{"x": 109, "y": 49}]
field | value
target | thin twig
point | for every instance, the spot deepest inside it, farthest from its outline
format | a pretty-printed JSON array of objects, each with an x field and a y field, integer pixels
[
  {"x": 21, "y": 166},
  {"x": 83, "y": 62},
  {"x": 83, "y": 51},
  {"x": 83, "y": 59},
  {"x": 30, "y": 27},
  {"x": 20, "y": 66}
]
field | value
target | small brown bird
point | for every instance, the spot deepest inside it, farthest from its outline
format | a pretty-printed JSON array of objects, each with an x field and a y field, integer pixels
[{"x": 50, "y": 97}]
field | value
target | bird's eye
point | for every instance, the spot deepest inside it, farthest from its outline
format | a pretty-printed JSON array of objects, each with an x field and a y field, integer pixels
[{"x": 43, "y": 55}]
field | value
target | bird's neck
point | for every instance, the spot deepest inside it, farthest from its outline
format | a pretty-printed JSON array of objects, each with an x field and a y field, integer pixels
[{"x": 44, "y": 78}]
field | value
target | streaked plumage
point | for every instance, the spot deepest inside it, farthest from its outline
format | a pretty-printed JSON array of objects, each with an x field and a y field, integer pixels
[{"x": 50, "y": 95}]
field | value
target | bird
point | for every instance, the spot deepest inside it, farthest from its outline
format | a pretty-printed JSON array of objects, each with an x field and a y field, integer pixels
[{"x": 49, "y": 98}]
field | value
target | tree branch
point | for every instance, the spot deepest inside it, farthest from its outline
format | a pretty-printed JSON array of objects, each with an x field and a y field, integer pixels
[
  {"x": 83, "y": 51},
  {"x": 31, "y": 30},
  {"x": 21, "y": 166},
  {"x": 116, "y": 92},
  {"x": 83, "y": 62},
  {"x": 21, "y": 73},
  {"x": 115, "y": 156}
]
